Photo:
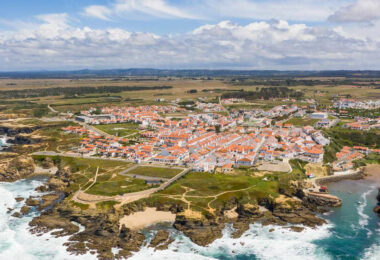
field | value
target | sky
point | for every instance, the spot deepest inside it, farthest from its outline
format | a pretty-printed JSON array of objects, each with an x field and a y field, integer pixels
[{"x": 190, "y": 34}]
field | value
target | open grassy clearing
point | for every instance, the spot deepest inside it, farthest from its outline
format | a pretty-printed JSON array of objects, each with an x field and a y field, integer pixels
[
  {"x": 108, "y": 181},
  {"x": 298, "y": 121},
  {"x": 207, "y": 192},
  {"x": 110, "y": 184},
  {"x": 155, "y": 172},
  {"x": 122, "y": 129}
]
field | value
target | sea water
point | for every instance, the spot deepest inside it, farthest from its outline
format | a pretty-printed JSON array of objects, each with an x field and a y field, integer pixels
[{"x": 352, "y": 232}]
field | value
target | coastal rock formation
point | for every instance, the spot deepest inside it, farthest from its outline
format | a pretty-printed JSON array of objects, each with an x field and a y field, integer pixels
[
  {"x": 17, "y": 168},
  {"x": 291, "y": 211},
  {"x": 200, "y": 230},
  {"x": 162, "y": 240},
  {"x": 101, "y": 231},
  {"x": 25, "y": 210},
  {"x": 60, "y": 180},
  {"x": 25, "y": 139},
  {"x": 13, "y": 130},
  {"x": 324, "y": 200},
  {"x": 47, "y": 163}
]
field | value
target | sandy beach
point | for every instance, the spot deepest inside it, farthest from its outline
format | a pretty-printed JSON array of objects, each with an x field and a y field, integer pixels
[
  {"x": 146, "y": 218},
  {"x": 373, "y": 173}
]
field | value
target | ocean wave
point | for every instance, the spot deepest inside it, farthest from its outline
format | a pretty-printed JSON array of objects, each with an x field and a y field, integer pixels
[
  {"x": 16, "y": 242},
  {"x": 373, "y": 252},
  {"x": 363, "y": 218},
  {"x": 269, "y": 242}
]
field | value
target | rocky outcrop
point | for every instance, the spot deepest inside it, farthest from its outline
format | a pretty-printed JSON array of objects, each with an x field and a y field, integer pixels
[
  {"x": 48, "y": 200},
  {"x": 291, "y": 210},
  {"x": 15, "y": 130},
  {"x": 18, "y": 168},
  {"x": 321, "y": 199},
  {"x": 25, "y": 210},
  {"x": 162, "y": 240},
  {"x": 32, "y": 202},
  {"x": 25, "y": 139},
  {"x": 201, "y": 231},
  {"x": 101, "y": 231},
  {"x": 47, "y": 163},
  {"x": 60, "y": 180}
]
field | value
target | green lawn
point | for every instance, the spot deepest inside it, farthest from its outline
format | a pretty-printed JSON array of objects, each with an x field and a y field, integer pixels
[
  {"x": 117, "y": 185},
  {"x": 297, "y": 121},
  {"x": 119, "y": 129},
  {"x": 155, "y": 172}
]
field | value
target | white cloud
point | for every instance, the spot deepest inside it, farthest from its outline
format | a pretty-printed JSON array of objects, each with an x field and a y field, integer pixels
[
  {"x": 55, "y": 44},
  {"x": 138, "y": 8},
  {"x": 293, "y": 10},
  {"x": 98, "y": 11},
  {"x": 360, "y": 11}
]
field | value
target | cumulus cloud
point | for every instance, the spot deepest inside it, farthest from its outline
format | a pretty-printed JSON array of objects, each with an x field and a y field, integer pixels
[
  {"x": 277, "y": 44},
  {"x": 360, "y": 11}
]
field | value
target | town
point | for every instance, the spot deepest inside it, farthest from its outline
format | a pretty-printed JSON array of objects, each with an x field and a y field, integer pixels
[{"x": 208, "y": 141}]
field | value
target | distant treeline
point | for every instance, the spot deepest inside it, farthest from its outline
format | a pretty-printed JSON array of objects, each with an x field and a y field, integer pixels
[
  {"x": 265, "y": 93},
  {"x": 72, "y": 91},
  {"x": 300, "y": 82}
]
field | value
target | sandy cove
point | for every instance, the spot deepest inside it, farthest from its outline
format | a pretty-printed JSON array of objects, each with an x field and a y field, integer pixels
[{"x": 146, "y": 218}]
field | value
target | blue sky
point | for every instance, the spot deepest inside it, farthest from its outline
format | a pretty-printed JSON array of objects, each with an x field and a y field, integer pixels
[{"x": 241, "y": 34}]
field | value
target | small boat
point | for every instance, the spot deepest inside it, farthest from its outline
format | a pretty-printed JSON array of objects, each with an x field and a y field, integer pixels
[{"x": 359, "y": 202}]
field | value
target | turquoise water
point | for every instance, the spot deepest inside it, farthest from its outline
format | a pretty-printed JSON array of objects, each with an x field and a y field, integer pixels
[
  {"x": 356, "y": 229},
  {"x": 353, "y": 232}
]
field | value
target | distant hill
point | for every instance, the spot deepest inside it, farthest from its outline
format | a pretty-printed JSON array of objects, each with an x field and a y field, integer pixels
[{"x": 187, "y": 73}]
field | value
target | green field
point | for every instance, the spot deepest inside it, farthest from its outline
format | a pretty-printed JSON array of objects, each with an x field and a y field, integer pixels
[
  {"x": 155, "y": 172},
  {"x": 206, "y": 192},
  {"x": 120, "y": 130},
  {"x": 297, "y": 121},
  {"x": 111, "y": 185}
]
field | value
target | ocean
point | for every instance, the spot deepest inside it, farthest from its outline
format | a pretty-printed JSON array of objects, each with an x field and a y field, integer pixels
[{"x": 352, "y": 232}]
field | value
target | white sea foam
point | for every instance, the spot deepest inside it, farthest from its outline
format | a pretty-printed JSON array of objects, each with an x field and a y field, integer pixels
[
  {"x": 258, "y": 241},
  {"x": 373, "y": 252},
  {"x": 363, "y": 220},
  {"x": 16, "y": 242}
]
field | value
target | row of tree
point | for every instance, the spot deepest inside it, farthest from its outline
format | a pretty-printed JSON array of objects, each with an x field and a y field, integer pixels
[
  {"x": 73, "y": 91},
  {"x": 265, "y": 93}
]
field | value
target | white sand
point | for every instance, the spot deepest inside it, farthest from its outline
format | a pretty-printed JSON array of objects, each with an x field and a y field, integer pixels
[{"x": 150, "y": 216}]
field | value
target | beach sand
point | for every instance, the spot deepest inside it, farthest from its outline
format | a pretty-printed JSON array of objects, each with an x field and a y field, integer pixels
[
  {"x": 146, "y": 218},
  {"x": 373, "y": 173}
]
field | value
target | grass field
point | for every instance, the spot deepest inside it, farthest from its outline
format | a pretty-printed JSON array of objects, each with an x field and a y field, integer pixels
[
  {"x": 297, "y": 121},
  {"x": 155, "y": 172},
  {"x": 207, "y": 192},
  {"x": 120, "y": 130},
  {"x": 109, "y": 184}
]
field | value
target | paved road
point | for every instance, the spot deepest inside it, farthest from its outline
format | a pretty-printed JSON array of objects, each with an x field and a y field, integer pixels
[
  {"x": 257, "y": 149},
  {"x": 52, "y": 109},
  {"x": 126, "y": 198}
]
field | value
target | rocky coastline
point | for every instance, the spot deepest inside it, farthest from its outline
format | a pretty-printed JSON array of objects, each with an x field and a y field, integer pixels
[{"x": 101, "y": 231}]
